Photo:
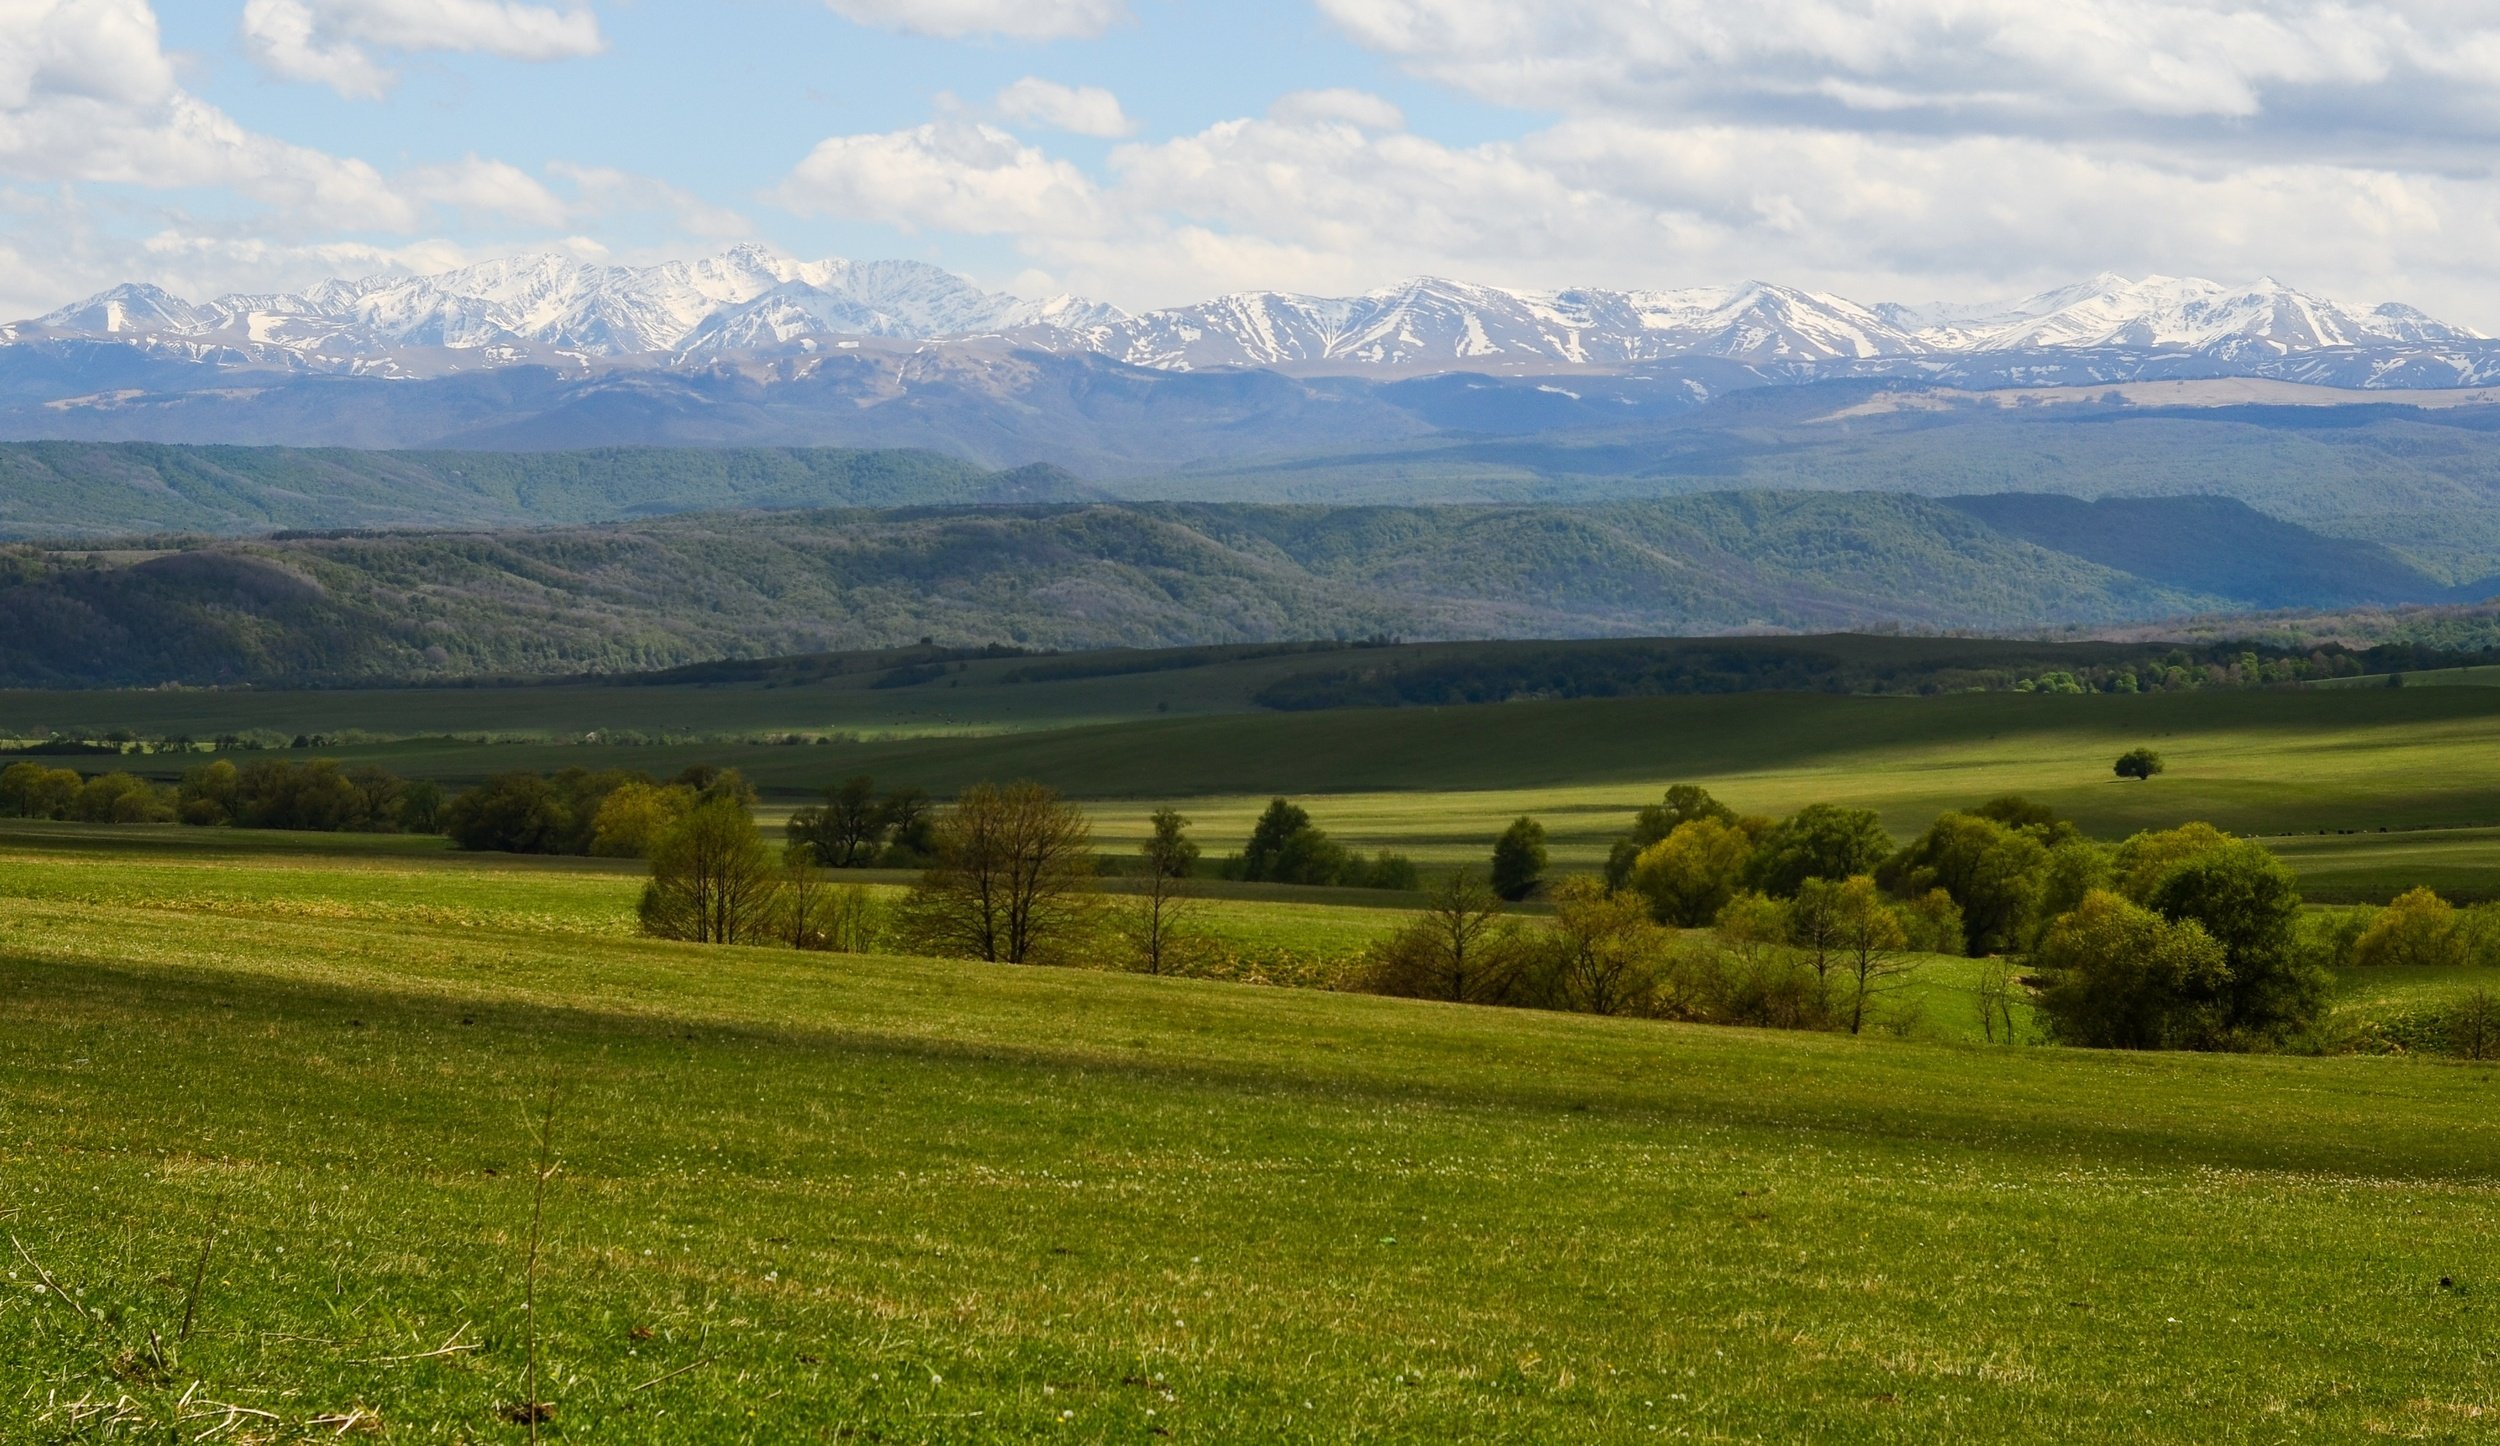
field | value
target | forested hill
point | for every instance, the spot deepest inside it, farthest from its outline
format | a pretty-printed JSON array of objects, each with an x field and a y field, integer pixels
[
  {"x": 65, "y": 489},
  {"x": 686, "y": 588}
]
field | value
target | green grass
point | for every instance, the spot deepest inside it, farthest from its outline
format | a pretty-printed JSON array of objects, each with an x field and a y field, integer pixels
[{"x": 885, "y": 1199}]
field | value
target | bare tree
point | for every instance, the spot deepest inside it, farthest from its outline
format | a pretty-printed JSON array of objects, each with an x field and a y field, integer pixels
[
  {"x": 1158, "y": 925},
  {"x": 1011, "y": 879},
  {"x": 1995, "y": 993},
  {"x": 806, "y": 899},
  {"x": 1460, "y": 949},
  {"x": 712, "y": 880}
]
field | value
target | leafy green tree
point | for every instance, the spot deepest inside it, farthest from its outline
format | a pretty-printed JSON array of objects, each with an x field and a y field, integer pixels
[
  {"x": 1169, "y": 851},
  {"x": 2248, "y": 902},
  {"x": 1011, "y": 880},
  {"x": 1684, "y": 803},
  {"x": 1870, "y": 939},
  {"x": 2146, "y": 858},
  {"x": 1286, "y": 848},
  {"x": 1991, "y": 872},
  {"x": 1689, "y": 875},
  {"x": 634, "y": 817},
  {"x": 712, "y": 879},
  {"x": 514, "y": 813},
  {"x": 1519, "y": 859},
  {"x": 1819, "y": 841},
  {"x": 2024, "y": 816},
  {"x": 847, "y": 830},
  {"x": 2138, "y": 763},
  {"x": 2121, "y": 976},
  {"x": 207, "y": 796},
  {"x": 2419, "y": 930},
  {"x": 421, "y": 807}
]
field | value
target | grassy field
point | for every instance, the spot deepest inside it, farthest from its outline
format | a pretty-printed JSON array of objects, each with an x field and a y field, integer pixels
[{"x": 829, "y": 1198}]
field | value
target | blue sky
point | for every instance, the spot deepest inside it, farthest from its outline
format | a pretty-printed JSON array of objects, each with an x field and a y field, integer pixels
[{"x": 1153, "y": 151}]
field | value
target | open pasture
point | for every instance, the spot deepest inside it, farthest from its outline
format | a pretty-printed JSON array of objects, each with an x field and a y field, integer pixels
[{"x": 869, "y": 1198}]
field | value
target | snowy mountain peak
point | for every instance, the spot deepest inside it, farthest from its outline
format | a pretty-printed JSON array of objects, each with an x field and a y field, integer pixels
[{"x": 750, "y": 299}]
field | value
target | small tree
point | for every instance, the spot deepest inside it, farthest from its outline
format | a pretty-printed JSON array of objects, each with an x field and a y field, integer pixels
[
  {"x": 1157, "y": 927},
  {"x": 846, "y": 831},
  {"x": 1011, "y": 879},
  {"x": 1519, "y": 859},
  {"x": 2249, "y": 903},
  {"x": 635, "y": 816},
  {"x": 1285, "y": 847},
  {"x": 712, "y": 880},
  {"x": 2138, "y": 763},
  {"x": 1870, "y": 941},
  {"x": 1609, "y": 954},
  {"x": 806, "y": 900},
  {"x": 1459, "y": 949}
]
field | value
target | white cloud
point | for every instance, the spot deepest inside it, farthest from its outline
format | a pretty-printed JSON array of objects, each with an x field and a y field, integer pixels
[
  {"x": 947, "y": 176},
  {"x": 1014, "y": 19},
  {"x": 2237, "y": 69},
  {"x": 331, "y": 42},
  {"x": 88, "y": 94},
  {"x": 1304, "y": 200},
  {"x": 1085, "y": 110},
  {"x": 480, "y": 188},
  {"x": 1356, "y": 108},
  {"x": 606, "y": 192}
]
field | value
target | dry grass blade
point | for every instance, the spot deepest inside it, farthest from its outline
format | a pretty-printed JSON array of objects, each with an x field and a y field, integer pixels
[
  {"x": 49, "y": 1283},
  {"x": 451, "y": 1347},
  {"x": 673, "y": 1375},
  {"x": 199, "y": 1271}
]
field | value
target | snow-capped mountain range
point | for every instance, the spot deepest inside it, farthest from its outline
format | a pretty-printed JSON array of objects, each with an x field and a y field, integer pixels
[{"x": 751, "y": 302}]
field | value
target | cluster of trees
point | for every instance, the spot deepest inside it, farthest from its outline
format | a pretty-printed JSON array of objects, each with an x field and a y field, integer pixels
[
  {"x": 2178, "y": 938},
  {"x": 320, "y": 795},
  {"x": 32, "y": 790},
  {"x": 856, "y": 828},
  {"x": 1285, "y": 847},
  {"x": 2180, "y": 671},
  {"x": 1821, "y": 960},
  {"x": 615, "y": 813}
]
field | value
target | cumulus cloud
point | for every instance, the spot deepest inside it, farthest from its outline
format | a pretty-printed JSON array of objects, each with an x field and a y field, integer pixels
[
  {"x": 487, "y": 189},
  {"x": 2224, "y": 69},
  {"x": 1085, "y": 110},
  {"x": 1014, "y": 19},
  {"x": 947, "y": 176},
  {"x": 88, "y": 94},
  {"x": 1306, "y": 199},
  {"x": 332, "y": 42}
]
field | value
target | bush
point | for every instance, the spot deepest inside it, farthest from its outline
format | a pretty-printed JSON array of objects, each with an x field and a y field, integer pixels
[{"x": 2419, "y": 929}]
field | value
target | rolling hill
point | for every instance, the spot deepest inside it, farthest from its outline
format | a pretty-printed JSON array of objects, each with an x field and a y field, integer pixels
[{"x": 679, "y": 589}]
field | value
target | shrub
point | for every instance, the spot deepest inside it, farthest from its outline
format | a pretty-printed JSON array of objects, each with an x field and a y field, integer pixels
[{"x": 2418, "y": 929}]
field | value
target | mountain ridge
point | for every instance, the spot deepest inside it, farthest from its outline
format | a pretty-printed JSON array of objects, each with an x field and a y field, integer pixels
[{"x": 749, "y": 301}]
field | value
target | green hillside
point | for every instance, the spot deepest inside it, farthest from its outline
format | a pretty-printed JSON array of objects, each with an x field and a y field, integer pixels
[
  {"x": 675, "y": 590},
  {"x": 91, "y": 489},
  {"x": 267, "y": 1159}
]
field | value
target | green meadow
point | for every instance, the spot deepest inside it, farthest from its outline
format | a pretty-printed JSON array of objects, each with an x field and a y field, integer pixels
[
  {"x": 289, "y": 1086},
  {"x": 855, "y": 1198}
]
